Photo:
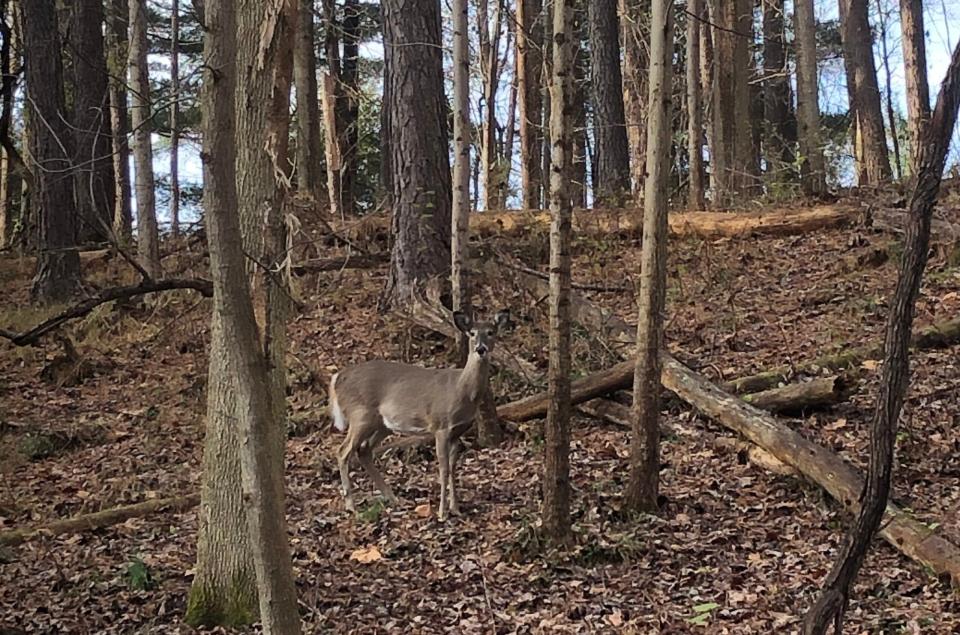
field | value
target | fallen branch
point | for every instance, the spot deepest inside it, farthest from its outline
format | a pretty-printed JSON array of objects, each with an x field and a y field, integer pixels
[
  {"x": 98, "y": 520},
  {"x": 822, "y": 391},
  {"x": 102, "y": 297},
  {"x": 939, "y": 335}
]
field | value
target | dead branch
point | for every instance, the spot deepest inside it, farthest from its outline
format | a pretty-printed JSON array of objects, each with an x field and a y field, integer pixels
[
  {"x": 98, "y": 520},
  {"x": 111, "y": 294}
]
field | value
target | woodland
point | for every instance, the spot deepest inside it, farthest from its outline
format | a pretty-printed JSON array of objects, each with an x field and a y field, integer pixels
[{"x": 479, "y": 316}]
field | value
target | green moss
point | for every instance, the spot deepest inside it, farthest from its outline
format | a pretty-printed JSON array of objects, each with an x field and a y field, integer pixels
[{"x": 233, "y": 606}]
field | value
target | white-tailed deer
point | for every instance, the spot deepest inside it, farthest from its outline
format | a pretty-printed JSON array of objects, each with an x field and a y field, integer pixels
[{"x": 375, "y": 399}]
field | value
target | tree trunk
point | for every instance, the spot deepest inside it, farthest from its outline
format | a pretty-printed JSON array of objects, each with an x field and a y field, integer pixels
[
  {"x": 915, "y": 72},
  {"x": 732, "y": 154},
  {"x": 255, "y": 404},
  {"x": 223, "y": 591},
  {"x": 91, "y": 106},
  {"x": 895, "y": 371},
  {"x": 695, "y": 196},
  {"x": 776, "y": 94},
  {"x": 116, "y": 30},
  {"x": 634, "y": 29},
  {"x": 644, "y": 484},
  {"x": 529, "y": 69},
  {"x": 58, "y": 265},
  {"x": 148, "y": 240},
  {"x": 419, "y": 149},
  {"x": 11, "y": 165},
  {"x": 888, "y": 92},
  {"x": 348, "y": 90},
  {"x": 556, "y": 477},
  {"x": 706, "y": 91},
  {"x": 858, "y": 52},
  {"x": 812, "y": 167},
  {"x": 333, "y": 111},
  {"x": 490, "y": 72},
  {"x": 309, "y": 178},
  {"x": 460, "y": 229},
  {"x": 386, "y": 129},
  {"x": 174, "y": 118},
  {"x": 612, "y": 168}
]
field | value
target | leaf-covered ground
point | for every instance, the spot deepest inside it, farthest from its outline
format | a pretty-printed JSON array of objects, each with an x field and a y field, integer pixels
[{"x": 735, "y": 549}]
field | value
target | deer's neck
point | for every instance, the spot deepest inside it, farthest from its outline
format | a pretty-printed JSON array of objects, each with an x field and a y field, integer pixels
[{"x": 474, "y": 376}]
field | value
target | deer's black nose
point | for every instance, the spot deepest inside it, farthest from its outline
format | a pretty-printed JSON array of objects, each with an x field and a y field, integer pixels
[{"x": 481, "y": 349}]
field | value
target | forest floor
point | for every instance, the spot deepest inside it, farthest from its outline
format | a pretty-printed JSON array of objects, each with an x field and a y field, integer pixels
[{"x": 735, "y": 549}]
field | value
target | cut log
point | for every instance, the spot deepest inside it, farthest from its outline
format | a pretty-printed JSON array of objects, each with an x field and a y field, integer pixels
[
  {"x": 939, "y": 335},
  {"x": 97, "y": 520},
  {"x": 823, "y": 391},
  {"x": 840, "y": 479}
]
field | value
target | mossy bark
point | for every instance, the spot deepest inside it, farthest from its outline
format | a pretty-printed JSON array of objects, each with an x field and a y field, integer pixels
[{"x": 233, "y": 605}]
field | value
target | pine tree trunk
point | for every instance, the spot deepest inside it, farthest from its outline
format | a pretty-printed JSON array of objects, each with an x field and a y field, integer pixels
[
  {"x": 613, "y": 155},
  {"x": 858, "y": 51},
  {"x": 812, "y": 167},
  {"x": 895, "y": 371},
  {"x": 644, "y": 485},
  {"x": 91, "y": 109},
  {"x": 419, "y": 149},
  {"x": 695, "y": 197},
  {"x": 529, "y": 69},
  {"x": 148, "y": 240},
  {"x": 255, "y": 398},
  {"x": 309, "y": 178},
  {"x": 915, "y": 72},
  {"x": 58, "y": 264},
  {"x": 174, "y": 118},
  {"x": 634, "y": 29},
  {"x": 556, "y": 477},
  {"x": 776, "y": 94}
]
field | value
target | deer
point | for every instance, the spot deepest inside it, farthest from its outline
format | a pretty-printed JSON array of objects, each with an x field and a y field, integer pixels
[{"x": 377, "y": 398}]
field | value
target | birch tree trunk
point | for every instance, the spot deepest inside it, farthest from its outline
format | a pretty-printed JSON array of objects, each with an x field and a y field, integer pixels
[
  {"x": 556, "y": 478},
  {"x": 148, "y": 238},
  {"x": 255, "y": 397},
  {"x": 461, "y": 167},
  {"x": 812, "y": 167},
  {"x": 644, "y": 485}
]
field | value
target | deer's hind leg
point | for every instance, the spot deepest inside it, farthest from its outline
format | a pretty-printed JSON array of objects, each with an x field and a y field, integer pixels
[
  {"x": 365, "y": 456},
  {"x": 356, "y": 436}
]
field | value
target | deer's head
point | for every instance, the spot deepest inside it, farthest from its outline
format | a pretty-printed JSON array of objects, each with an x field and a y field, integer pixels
[{"x": 483, "y": 335}]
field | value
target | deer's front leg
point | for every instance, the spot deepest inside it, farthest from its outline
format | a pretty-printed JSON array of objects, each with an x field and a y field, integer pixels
[
  {"x": 443, "y": 459},
  {"x": 455, "y": 448}
]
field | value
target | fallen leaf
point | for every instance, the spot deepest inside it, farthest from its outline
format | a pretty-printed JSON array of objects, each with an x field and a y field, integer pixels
[
  {"x": 870, "y": 364},
  {"x": 366, "y": 555},
  {"x": 423, "y": 511},
  {"x": 615, "y": 618},
  {"x": 836, "y": 425}
]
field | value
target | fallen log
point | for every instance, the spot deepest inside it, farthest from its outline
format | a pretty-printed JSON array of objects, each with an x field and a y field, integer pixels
[
  {"x": 911, "y": 537},
  {"x": 98, "y": 520},
  {"x": 822, "y": 391},
  {"x": 940, "y": 335}
]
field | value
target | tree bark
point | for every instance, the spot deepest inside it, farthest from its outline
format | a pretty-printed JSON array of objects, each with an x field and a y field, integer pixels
[
  {"x": 490, "y": 72},
  {"x": 58, "y": 265},
  {"x": 255, "y": 396},
  {"x": 915, "y": 72},
  {"x": 612, "y": 168},
  {"x": 556, "y": 477},
  {"x": 732, "y": 155},
  {"x": 812, "y": 167},
  {"x": 349, "y": 110},
  {"x": 460, "y": 215},
  {"x": 12, "y": 168},
  {"x": 644, "y": 481},
  {"x": 931, "y": 158},
  {"x": 333, "y": 111},
  {"x": 529, "y": 69},
  {"x": 116, "y": 33},
  {"x": 858, "y": 52},
  {"x": 174, "y": 118},
  {"x": 418, "y": 147},
  {"x": 634, "y": 31},
  {"x": 776, "y": 94},
  {"x": 695, "y": 194},
  {"x": 148, "y": 239},
  {"x": 91, "y": 109},
  {"x": 888, "y": 92},
  {"x": 309, "y": 178}
]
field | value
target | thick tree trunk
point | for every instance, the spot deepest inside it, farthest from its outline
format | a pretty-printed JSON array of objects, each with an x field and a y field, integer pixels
[
  {"x": 915, "y": 72},
  {"x": 529, "y": 69},
  {"x": 612, "y": 168},
  {"x": 418, "y": 147},
  {"x": 695, "y": 196},
  {"x": 174, "y": 118},
  {"x": 91, "y": 108},
  {"x": 644, "y": 484},
  {"x": 776, "y": 94},
  {"x": 116, "y": 30},
  {"x": 309, "y": 177},
  {"x": 634, "y": 30},
  {"x": 895, "y": 372},
  {"x": 812, "y": 167},
  {"x": 255, "y": 406},
  {"x": 148, "y": 239},
  {"x": 732, "y": 157},
  {"x": 556, "y": 476},
  {"x": 858, "y": 52},
  {"x": 58, "y": 265}
]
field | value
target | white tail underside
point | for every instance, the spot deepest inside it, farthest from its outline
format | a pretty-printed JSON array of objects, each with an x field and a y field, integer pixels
[{"x": 339, "y": 422}]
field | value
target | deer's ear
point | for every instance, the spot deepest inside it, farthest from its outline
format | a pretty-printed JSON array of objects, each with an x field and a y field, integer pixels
[
  {"x": 462, "y": 321},
  {"x": 502, "y": 319}
]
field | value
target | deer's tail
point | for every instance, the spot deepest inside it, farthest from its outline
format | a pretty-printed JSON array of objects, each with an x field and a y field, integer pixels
[{"x": 339, "y": 422}]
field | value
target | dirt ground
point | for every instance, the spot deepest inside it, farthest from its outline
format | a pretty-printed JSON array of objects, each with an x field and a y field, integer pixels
[{"x": 734, "y": 550}]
